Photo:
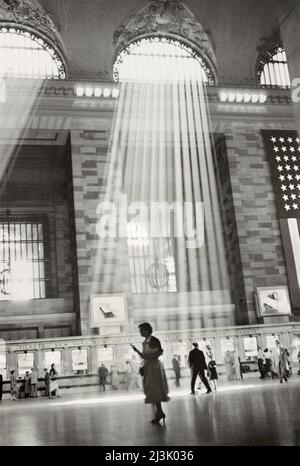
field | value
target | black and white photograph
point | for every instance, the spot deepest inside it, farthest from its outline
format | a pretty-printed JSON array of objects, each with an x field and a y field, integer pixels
[{"x": 150, "y": 226}]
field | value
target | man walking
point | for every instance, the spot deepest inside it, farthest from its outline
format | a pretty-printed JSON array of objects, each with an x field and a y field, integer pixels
[{"x": 198, "y": 366}]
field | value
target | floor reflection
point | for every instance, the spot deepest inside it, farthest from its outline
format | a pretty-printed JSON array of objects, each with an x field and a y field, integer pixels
[{"x": 242, "y": 414}]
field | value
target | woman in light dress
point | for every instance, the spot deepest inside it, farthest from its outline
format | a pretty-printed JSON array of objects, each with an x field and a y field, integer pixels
[{"x": 154, "y": 377}]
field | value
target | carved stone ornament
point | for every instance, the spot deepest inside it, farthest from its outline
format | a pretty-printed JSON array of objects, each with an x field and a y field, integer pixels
[
  {"x": 270, "y": 41},
  {"x": 163, "y": 17},
  {"x": 28, "y": 13}
]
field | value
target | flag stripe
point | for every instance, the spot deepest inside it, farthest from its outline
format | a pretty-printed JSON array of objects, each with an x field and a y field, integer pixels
[
  {"x": 290, "y": 263},
  {"x": 295, "y": 240}
]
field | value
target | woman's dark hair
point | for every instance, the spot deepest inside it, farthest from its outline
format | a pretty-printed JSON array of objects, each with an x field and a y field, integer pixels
[{"x": 146, "y": 326}]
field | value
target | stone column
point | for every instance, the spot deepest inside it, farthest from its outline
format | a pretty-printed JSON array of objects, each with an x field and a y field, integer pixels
[
  {"x": 239, "y": 345},
  {"x": 67, "y": 361},
  {"x": 93, "y": 360},
  {"x": 39, "y": 362}
]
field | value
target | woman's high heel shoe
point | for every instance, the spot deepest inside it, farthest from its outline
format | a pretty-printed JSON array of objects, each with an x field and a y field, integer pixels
[{"x": 158, "y": 418}]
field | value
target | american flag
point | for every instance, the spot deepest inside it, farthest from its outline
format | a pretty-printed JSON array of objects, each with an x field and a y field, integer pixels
[{"x": 283, "y": 152}]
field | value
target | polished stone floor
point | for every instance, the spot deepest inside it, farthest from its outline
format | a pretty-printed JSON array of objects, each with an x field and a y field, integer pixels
[{"x": 250, "y": 413}]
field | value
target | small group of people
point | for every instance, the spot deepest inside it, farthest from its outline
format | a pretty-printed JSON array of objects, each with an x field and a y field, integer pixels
[
  {"x": 30, "y": 384},
  {"x": 199, "y": 363},
  {"x": 275, "y": 362},
  {"x": 131, "y": 375},
  {"x": 205, "y": 370}
]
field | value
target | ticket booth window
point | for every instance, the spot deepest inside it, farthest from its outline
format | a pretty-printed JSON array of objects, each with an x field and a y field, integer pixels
[
  {"x": 79, "y": 361},
  {"x": 250, "y": 348},
  {"x": 180, "y": 348},
  {"x": 227, "y": 344},
  {"x": 270, "y": 341},
  {"x": 53, "y": 357},
  {"x": 105, "y": 356},
  {"x": 25, "y": 363}
]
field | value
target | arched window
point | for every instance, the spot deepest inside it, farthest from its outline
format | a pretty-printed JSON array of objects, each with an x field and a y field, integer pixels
[
  {"x": 161, "y": 59},
  {"x": 273, "y": 69},
  {"x": 23, "y": 54}
]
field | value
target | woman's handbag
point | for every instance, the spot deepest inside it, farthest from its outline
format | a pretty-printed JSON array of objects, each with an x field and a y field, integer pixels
[{"x": 141, "y": 371}]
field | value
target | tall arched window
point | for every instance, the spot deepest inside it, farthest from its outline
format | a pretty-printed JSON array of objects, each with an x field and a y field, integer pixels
[
  {"x": 161, "y": 58},
  {"x": 273, "y": 69},
  {"x": 162, "y": 161},
  {"x": 24, "y": 54}
]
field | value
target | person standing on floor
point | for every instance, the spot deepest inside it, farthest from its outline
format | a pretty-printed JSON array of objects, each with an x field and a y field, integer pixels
[
  {"x": 237, "y": 366},
  {"x": 154, "y": 377},
  {"x": 198, "y": 365},
  {"x": 176, "y": 369},
  {"x": 34, "y": 382},
  {"x": 103, "y": 373},
  {"x": 261, "y": 362},
  {"x": 278, "y": 361},
  {"x": 128, "y": 375},
  {"x": 267, "y": 357},
  {"x": 27, "y": 388},
  {"x": 13, "y": 386}
]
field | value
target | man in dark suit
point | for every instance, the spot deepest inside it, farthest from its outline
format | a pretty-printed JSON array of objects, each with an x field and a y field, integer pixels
[{"x": 198, "y": 366}]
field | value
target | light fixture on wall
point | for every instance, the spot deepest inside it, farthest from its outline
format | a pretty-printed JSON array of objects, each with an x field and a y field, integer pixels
[
  {"x": 245, "y": 97},
  {"x": 91, "y": 91}
]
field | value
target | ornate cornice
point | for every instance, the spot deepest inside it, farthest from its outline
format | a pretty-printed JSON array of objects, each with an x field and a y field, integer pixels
[
  {"x": 66, "y": 88},
  {"x": 127, "y": 338},
  {"x": 166, "y": 18},
  {"x": 28, "y": 13},
  {"x": 61, "y": 97}
]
